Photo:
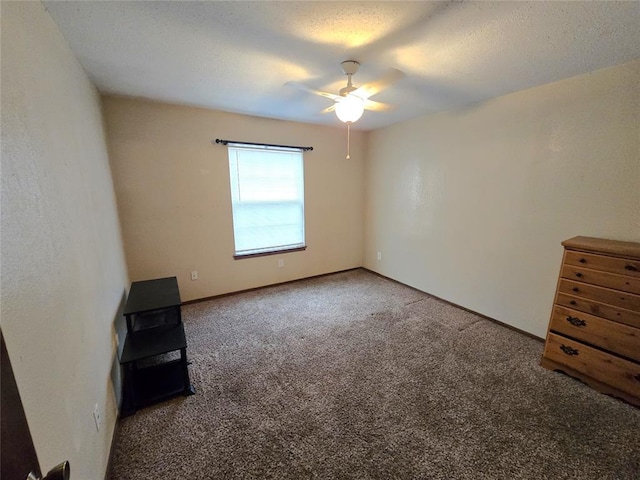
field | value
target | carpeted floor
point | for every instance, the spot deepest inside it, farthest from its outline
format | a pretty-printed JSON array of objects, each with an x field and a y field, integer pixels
[{"x": 352, "y": 376}]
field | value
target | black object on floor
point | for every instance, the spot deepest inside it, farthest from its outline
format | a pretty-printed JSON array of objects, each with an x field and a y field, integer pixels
[{"x": 154, "y": 329}]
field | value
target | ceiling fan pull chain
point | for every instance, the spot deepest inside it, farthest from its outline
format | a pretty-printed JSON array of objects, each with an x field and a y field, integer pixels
[{"x": 348, "y": 139}]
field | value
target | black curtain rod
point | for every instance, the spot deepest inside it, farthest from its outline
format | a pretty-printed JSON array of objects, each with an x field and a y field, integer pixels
[{"x": 224, "y": 142}]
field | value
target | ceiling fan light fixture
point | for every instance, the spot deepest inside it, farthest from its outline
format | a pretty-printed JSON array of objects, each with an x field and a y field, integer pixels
[{"x": 349, "y": 108}]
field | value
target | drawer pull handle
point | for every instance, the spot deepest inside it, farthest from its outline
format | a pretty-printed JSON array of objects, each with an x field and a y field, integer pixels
[
  {"x": 575, "y": 289},
  {"x": 573, "y": 302},
  {"x": 576, "y": 321},
  {"x": 569, "y": 350},
  {"x": 631, "y": 268},
  {"x": 579, "y": 275},
  {"x": 582, "y": 260}
]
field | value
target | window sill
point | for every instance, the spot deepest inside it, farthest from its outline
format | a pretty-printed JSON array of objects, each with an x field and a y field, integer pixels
[{"x": 273, "y": 252}]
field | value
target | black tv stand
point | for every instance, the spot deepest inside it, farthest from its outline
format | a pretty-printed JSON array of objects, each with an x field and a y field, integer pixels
[{"x": 155, "y": 334}]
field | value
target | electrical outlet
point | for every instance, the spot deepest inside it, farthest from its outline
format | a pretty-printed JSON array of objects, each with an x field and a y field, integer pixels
[
  {"x": 280, "y": 262},
  {"x": 194, "y": 275},
  {"x": 97, "y": 417},
  {"x": 379, "y": 256}
]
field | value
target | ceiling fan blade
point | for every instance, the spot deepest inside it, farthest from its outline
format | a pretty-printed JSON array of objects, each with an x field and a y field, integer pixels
[
  {"x": 368, "y": 89},
  {"x": 377, "y": 106},
  {"x": 329, "y": 109},
  {"x": 306, "y": 88}
]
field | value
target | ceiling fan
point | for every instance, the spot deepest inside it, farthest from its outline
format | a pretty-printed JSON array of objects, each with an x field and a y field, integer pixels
[{"x": 351, "y": 102}]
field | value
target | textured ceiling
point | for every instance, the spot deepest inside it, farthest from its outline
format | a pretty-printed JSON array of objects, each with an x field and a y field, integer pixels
[{"x": 237, "y": 56}]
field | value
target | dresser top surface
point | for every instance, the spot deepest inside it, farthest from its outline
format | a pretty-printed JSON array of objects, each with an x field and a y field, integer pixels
[{"x": 600, "y": 245}]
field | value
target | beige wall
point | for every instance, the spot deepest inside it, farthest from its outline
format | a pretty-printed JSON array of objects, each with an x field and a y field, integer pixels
[
  {"x": 472, "y": 205},
  {"x": 63, "y": 269},
  {"x": 468, "y": 205},
  {"x": 172, "y": 186}
]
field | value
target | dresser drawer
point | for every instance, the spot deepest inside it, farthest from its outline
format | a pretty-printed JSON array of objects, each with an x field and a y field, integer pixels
[
  {"x": 617, "y": 372},
  {"x": 628, "y": 317},
  {"x": 615, "y": 337},
  {"x": 621, "y": 266},
  {"x": 600, "y": 294},
  {"x": 625, "y": 283}
]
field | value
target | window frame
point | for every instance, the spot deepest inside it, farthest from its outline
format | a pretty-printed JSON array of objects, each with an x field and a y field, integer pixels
[{"x": 233, "y": 147}]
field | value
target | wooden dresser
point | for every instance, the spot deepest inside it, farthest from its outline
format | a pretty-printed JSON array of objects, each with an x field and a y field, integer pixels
[{"x": 594, "y": 331}]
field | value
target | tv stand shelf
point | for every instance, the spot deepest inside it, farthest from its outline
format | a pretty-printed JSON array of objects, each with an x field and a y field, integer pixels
[
  {"x": 154, "y": 332},
  {"x": 160, "y": 382}
]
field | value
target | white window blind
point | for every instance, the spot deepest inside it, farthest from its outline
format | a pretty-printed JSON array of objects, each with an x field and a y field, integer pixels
[{"x": 267, "y": 196}]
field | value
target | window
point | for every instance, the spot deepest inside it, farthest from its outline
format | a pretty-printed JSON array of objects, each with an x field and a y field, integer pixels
[{"x": 267, "y": 197}]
